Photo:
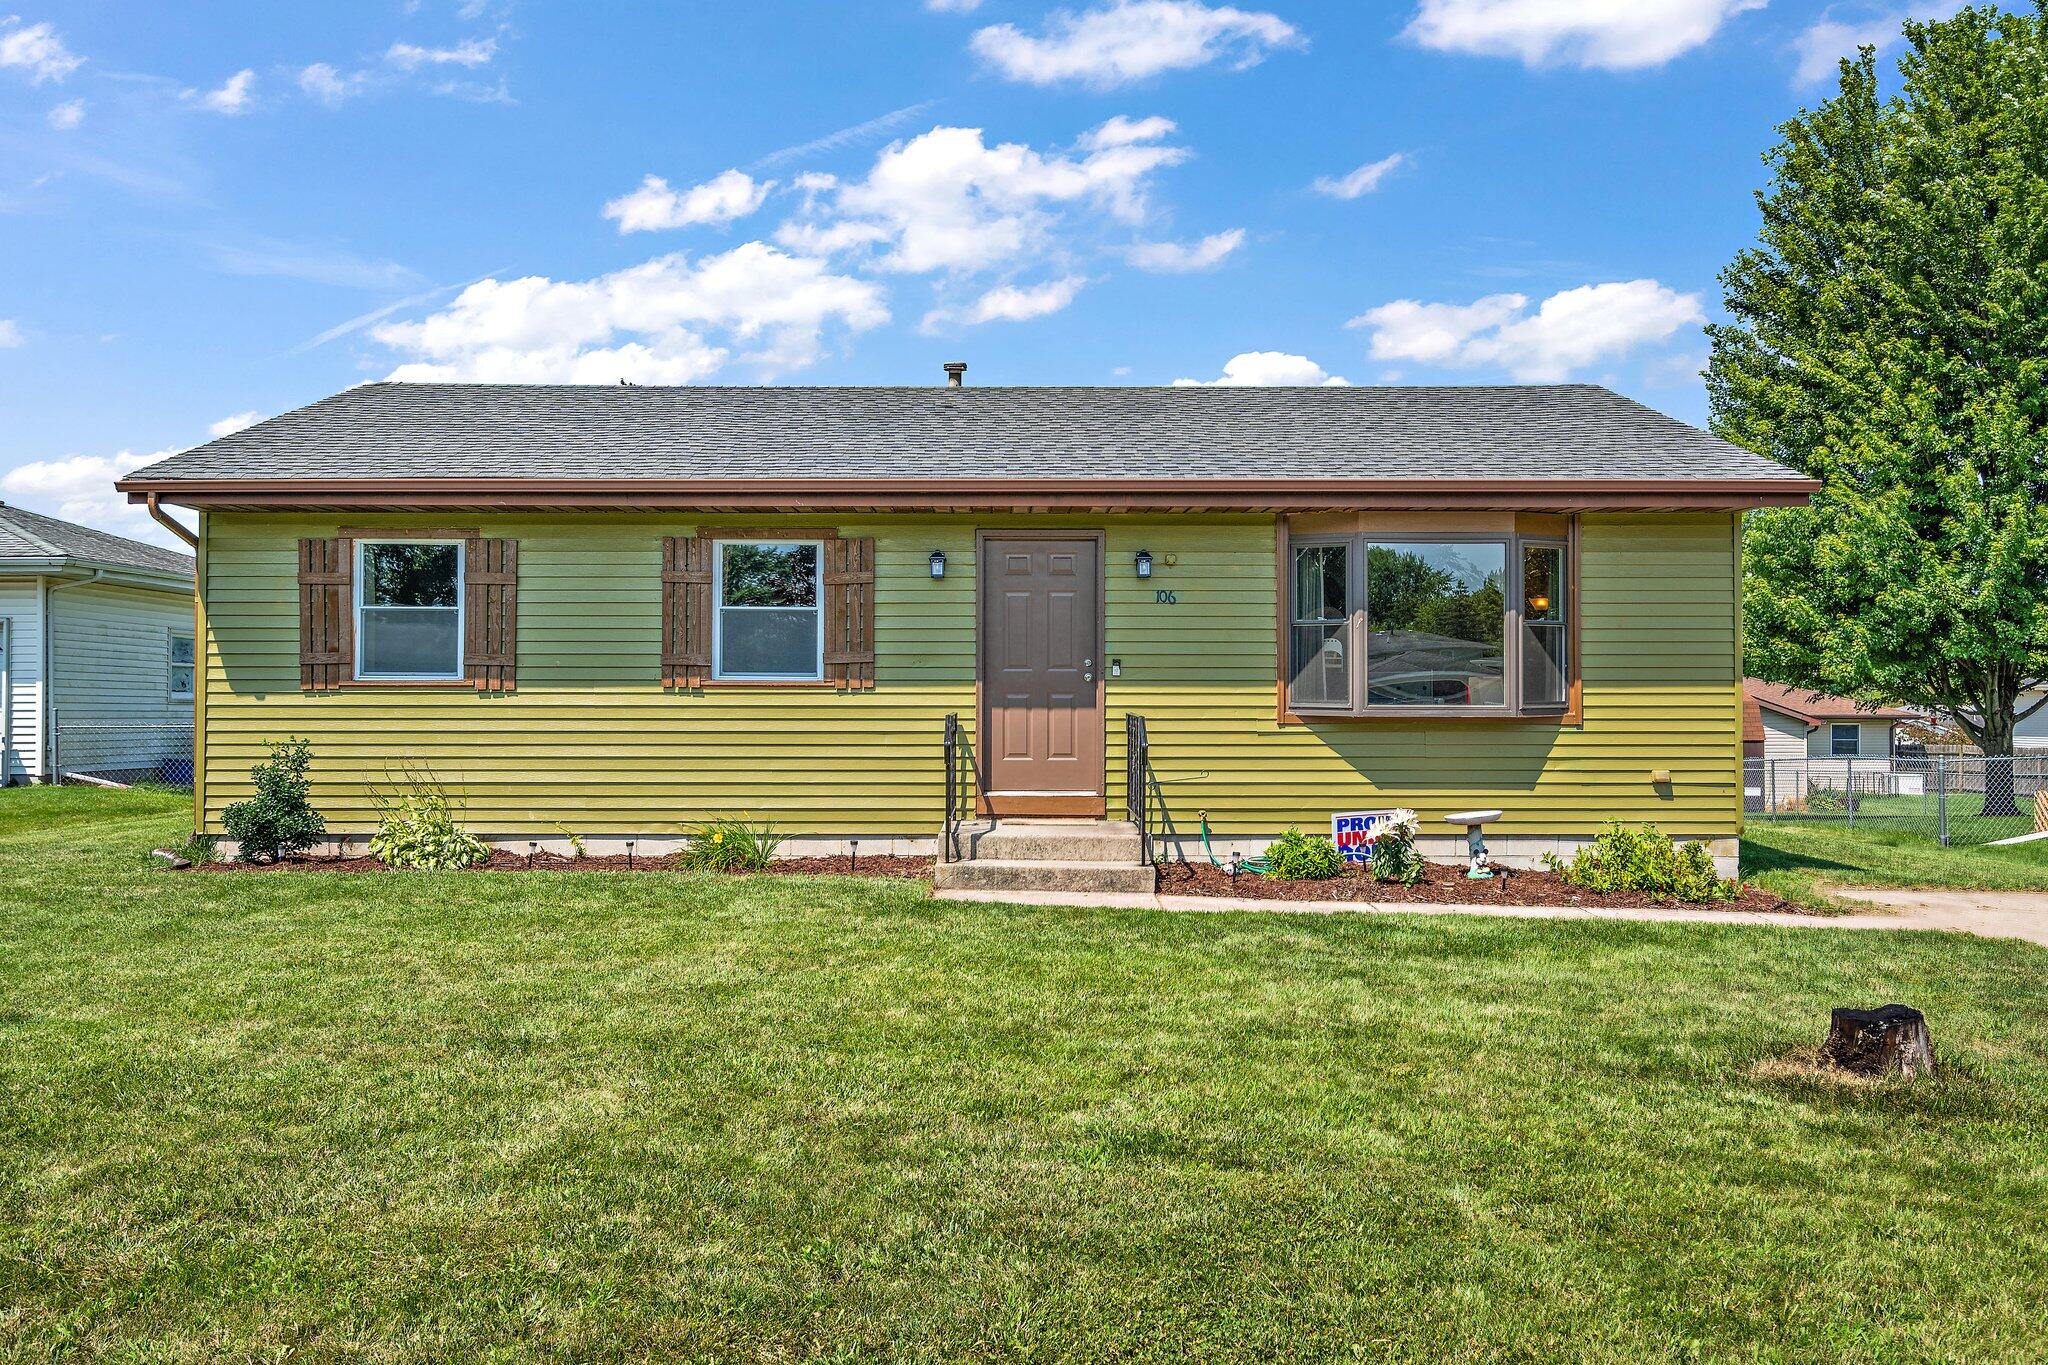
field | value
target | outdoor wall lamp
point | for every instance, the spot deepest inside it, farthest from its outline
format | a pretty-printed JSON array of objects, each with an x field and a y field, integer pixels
[
  {"x": 1144, "y": 563},
  {"x": 938, "y": 563}
]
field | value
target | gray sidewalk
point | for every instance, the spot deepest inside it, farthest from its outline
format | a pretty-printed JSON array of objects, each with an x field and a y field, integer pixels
[{"x": 1987, "y": 914}]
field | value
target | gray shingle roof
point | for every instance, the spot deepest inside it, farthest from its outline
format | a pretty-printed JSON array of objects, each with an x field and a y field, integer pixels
[
  {"x": 1566, "y": 431},
  {"x": 26, "y": 535}
]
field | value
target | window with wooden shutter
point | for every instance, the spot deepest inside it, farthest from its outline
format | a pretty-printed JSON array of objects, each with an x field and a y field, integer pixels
[
  {"x": 686, "y": 611},
  {"x": 326, "y": 612},
  {"x": 850, "y": 613},
  {"x": 490, "y": 628}
]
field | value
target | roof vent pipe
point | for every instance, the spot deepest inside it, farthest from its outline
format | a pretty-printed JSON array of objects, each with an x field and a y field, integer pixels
[{"x": 956, "y": 373}]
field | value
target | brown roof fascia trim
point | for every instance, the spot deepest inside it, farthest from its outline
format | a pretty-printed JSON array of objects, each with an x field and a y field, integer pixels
[{"x": 919, "y": 494}]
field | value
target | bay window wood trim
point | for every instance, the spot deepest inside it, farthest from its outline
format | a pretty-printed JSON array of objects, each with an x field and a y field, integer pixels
[{"x": 1365, "y": 528}]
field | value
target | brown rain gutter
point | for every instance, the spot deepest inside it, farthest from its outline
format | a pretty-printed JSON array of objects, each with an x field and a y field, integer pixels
[
  {"x": 1267, "y": 494},
  {"x": 164, "y": 519}
]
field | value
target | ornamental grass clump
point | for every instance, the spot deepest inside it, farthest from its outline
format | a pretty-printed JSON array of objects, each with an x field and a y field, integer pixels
[
  {"x": 1641, "y": 859},
  {"x": 419, "y": 832},
  {"x": 1394, "y": 858},
  {"x": 730, "y": 845},
  {"x": 279, "y": 820},
  {"x": 1298, "y": 857}
]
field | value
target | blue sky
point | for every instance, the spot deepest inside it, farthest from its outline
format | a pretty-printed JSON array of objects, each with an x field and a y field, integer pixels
[{"x": 209, "y": 213}]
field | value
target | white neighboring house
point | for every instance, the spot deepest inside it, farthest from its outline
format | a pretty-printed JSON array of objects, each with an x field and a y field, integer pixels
[
  {"x": 95, "y": 629},
  {"x": 1816, "y": 739},
  {"x": 2030, "y": 736}
]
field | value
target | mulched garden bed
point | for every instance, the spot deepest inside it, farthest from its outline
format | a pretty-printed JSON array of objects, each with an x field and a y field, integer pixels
[
  {"x": 504, "y": 860},
  {"x": 1441, "y": 884}
]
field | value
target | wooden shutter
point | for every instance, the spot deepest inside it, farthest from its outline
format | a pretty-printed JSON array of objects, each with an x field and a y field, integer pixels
[
  {"x": 327, "y": 625},
  {"x": 490, "y": 613},
  {"x": 686, "y": 610},
  {"x": 850, "y": 613}
]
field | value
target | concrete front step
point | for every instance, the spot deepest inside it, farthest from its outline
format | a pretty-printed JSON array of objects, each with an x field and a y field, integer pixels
[
  {"x": 1043, "y": 874},
  {"x": 1058, "y": 841}
]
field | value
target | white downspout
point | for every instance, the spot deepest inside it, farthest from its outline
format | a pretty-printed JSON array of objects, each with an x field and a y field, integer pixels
[{"x": 49, "y": 722}]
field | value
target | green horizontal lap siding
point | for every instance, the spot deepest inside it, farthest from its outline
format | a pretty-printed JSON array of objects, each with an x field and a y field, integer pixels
[
  {"x": 589, "y": 739},
  {"x": 1659, "y": 663}
]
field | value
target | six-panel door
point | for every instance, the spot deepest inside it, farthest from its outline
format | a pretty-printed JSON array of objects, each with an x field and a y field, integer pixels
[{"x": 1041, "y": 694}]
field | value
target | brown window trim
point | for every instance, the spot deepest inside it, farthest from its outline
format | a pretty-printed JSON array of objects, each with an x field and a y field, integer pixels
[
  {"x": 1571, "y": 715},
  {"x": 769, "y": 533},
  {"x": 408, "y": 533},
  {"x": 751, "y": 684}
]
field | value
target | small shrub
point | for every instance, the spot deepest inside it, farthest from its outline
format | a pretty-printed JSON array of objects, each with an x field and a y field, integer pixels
[
  {"x": 1828, "y": 800},
  {"x": 198, "y": 849},
  {"x": 1298, "y": 857},
  {"x": 279, "y": 820},
  {"x": 418, "y": 831},
  {"x": 1394, "y": 858},
  {"x": 576, "y": 849},
  {"x": 730, "y": 845},
  {"x": 1641, "y": 859}
]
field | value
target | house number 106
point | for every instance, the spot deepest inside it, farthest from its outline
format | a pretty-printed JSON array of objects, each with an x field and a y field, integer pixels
[{"x": 1165, "y": 595}]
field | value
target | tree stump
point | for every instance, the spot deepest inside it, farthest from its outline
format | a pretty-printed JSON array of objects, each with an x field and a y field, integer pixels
[{"x": 1889, "y": 1040}]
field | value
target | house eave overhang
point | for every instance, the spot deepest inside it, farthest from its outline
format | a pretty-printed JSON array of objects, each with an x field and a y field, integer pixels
[
  {"x": 70, "y": 566},
  {"x": 979, "y": 494}
]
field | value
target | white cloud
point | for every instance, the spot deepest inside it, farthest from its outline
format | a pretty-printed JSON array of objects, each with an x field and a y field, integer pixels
[
  {"x": 1362, "y": 181},
  {"x": 1183, "y": 258},
  {"x": 653, "y": 207},
  {"x": 952, "y": 6},
  {"x": 647, "y": 323},
  {"x": 67, "y": 115},
  {"x": 1130, "y": 40},
  {"x": 1010, "y": 303},
  {"x": 470, "y": 52},
  {"x": 1253, "y": 369},
  {"x": 228, "y": 426},
  {"x": 1119, "y": 131},
  {"x": 272, "y": 258},
  {"x": 36, "y": 49},
  {"x": 845, "y": 136},
  {"x": 10, "y": 334},
  {"x": 80, "y": 488},
  {"x": 1615, "y": 35},
  {"x": 946, "y": 201},
  {"x": 327, "y": 85},
  {"x": 1822, "y": 46},
  {"x": 1568, "y": 331},
  {"x": 234, "y": 97}
]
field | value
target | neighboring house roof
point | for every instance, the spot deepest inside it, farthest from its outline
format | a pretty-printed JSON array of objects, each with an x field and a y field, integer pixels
[
  {"x": 1553, "y": 436},
  {"x": 1814, "y": 708},
  {"x": 33, "y": 543}
]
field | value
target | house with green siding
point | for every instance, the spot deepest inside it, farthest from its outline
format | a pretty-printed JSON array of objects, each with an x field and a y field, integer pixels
[{"x": 890, "y": 614}]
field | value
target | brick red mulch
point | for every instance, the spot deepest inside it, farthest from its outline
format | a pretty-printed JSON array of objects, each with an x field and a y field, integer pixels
[{"x": 1441, "y": 884}]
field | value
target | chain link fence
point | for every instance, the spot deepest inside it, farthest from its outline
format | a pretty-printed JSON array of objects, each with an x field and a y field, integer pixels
[
  {"x": 1953, "y": 800},
  {"x": 93, "y": 752}
]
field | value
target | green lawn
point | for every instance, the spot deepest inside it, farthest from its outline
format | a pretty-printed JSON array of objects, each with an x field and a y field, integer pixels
[
  {"x": 663, "y": 1117},
  {"x": 1797, "y": 861}
]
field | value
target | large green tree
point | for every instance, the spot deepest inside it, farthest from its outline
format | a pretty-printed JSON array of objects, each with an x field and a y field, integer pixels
[{"x": 1889, "y": 336}]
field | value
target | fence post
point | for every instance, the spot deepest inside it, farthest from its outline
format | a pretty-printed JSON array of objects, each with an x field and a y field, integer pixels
[
  {"x": 1849, "y": 796},
  {"x": 50, "y": 754},
  {"x": 1941, "y": 796},
  {"x": 1771, "y": 788}
]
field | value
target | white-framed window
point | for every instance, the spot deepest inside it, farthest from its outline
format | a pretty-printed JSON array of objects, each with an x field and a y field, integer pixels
[
  {"x": 1845, "y": 741},
  {"x": 184, "y": 664},
  {"x": 408, "y": 610},
  {"x": 769, "y": 602}
]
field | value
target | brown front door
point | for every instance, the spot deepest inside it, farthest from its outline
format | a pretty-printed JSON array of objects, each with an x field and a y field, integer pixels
[{"x": 1040, "y": 675}]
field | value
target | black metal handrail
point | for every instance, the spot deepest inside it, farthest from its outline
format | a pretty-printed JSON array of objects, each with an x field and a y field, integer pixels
[
  {"x": 1139, "y": 782},
  {"x": 960, "y": 791}
]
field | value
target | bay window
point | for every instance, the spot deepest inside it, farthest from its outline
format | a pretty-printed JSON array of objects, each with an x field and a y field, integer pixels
[
  {"x": 408, "y": 610},
  {"x": 1451, "y": 624},
  {"x": 767, "y": 597}
]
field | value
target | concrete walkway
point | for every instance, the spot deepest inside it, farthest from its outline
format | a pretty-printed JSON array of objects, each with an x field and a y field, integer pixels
[{"x": 1987, "y": 914}]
